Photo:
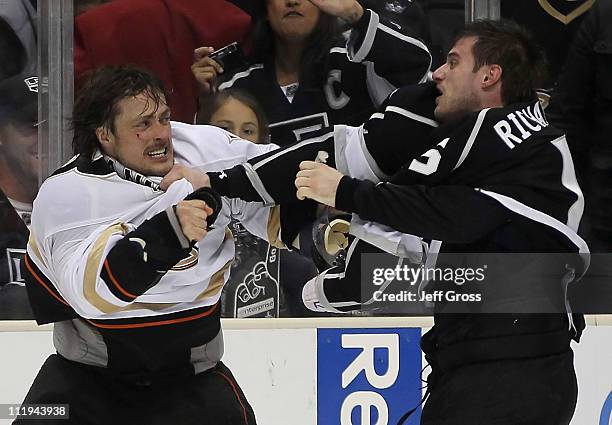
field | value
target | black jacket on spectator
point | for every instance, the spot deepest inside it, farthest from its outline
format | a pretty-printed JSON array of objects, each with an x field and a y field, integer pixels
[
  {"x": 379, "y": 56},
  {"x": 552, "y": 22},
  {"x": 13, "y": 238},
  {"x": 582, "y": 106}
]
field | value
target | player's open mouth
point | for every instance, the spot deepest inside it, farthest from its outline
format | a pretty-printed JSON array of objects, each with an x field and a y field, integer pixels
[
  {"x": 293, "y": 15},
  {"x": 439, "y": 95},
  {"x": 158, "y": 153}
]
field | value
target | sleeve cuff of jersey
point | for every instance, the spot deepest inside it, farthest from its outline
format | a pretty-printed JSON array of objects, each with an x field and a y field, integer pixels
[
  {"x": 226, "y": 181},
  {"x": 162, "y": 242},
  {"x": 345, "y": 200},
  {"x": 362, "y": 36}
]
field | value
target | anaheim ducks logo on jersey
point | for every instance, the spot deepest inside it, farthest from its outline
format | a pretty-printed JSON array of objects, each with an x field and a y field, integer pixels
[
  {"x": 188, "y": 262},
  {"x": 565, "y": 10}
]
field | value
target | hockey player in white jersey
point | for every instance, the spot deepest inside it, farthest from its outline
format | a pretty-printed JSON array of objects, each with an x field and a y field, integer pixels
[{"x": 131, "y": 274}]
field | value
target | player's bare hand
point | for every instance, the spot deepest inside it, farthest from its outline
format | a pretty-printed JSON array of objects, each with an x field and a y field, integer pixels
[
  {"x": 348, "y": 10},
  {"x": 197, "y": 178},
  {"x": 192, "y": 216},
  {"x": 205, "y": 70},
  {"x": 317, "y": 181}
]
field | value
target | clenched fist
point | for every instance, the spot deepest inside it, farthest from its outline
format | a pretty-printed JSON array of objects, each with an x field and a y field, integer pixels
[
  {"x": 317, "y": 181},
  {"x": 192, "y": 216}
]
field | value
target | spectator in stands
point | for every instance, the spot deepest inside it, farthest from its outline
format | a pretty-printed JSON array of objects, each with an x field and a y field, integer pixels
[
  {"x": 18, "y": 151},
  {"x": 18, "y": 187},
  {"x": 159, "y": 35},
  {"x": 20, "y": 15},
  {"x": 237, "y": 112},
  {"x": 12, "y": 52},
  {"x": 553, "y": 23},
  {"x": 19, "y": 142},
  {"x": 445, "y": 19},
  {"x": 582, "y": 106},
  {"x": 303, "y": 75}
]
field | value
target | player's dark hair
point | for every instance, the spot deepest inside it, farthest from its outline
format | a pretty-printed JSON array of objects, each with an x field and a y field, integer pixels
[
  {"x": 213, "y": 103},
  {"x": 97, "y": 100},
  {"x": 513, "y": 48}
]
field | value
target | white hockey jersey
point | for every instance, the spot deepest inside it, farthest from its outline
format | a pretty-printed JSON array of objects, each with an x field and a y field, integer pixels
[{"x": 79, "y": 215}]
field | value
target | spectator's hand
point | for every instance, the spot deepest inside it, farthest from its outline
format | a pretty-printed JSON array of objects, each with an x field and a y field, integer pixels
[
  {"x": 192, "y": 216},
  {"x": 348, "y": 10},
  {"x": 205, "y": 70},
  {"x": 197, "y": 178},
  {"x": 317, "y": 181}
]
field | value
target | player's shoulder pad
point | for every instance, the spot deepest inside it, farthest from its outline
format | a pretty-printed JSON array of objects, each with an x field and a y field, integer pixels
[{"x": 212, "y": 148}]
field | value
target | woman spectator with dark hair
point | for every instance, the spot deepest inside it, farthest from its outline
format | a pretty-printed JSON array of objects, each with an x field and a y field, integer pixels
[{"x": 308, "y": 76}]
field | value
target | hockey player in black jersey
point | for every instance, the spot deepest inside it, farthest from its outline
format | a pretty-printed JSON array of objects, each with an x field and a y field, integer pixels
[{"x": 494, "y": 178}]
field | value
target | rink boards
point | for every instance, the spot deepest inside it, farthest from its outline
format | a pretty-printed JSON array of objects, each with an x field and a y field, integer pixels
[{"x": 326, "y": 371}]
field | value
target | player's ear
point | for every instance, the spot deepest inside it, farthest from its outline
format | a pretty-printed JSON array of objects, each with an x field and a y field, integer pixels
[
  {"x": 104, "y": 136},
  {"x": 491, "y": 76}
]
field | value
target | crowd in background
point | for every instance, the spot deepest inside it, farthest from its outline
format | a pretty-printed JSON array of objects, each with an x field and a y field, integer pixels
[{"x": 291, "y": 82}]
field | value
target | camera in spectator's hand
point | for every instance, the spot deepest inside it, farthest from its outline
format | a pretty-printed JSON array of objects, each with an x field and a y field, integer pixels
[{"x": 229, "y": 57}]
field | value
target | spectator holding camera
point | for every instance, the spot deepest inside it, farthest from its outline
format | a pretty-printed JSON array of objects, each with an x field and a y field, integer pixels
[{"x": 307, "y": 76}]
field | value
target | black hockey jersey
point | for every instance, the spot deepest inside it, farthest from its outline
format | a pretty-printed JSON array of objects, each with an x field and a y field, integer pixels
[
  {"x": 511, "y": 155},
  {"x": 361, "y": 75},
  {"x": 501, "y": 182}
]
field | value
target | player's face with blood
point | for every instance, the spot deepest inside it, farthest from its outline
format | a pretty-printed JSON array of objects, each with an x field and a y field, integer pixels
[
  {"x": 457, "y": 82},
  {"x": 238, "y": 118},
  {"x": 142, "y": 138},
  {"x": 292, "y": 20}
]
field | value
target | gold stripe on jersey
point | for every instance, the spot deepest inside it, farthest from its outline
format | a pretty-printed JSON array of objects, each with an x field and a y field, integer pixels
[
  {"x": 94, "y": 259},
  {"x": 566, "y": 19},
  {"x": 34, "y": 248},
  {"x": 188, "y": 262},
  {"x": 274, "y": 227},
  {"x": 216, "y": 282}
]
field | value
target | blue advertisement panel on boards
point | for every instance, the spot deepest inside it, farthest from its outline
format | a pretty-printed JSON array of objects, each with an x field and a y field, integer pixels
[{"x": 368, "y": 376}]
